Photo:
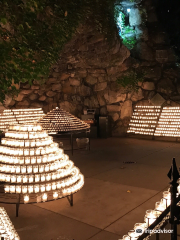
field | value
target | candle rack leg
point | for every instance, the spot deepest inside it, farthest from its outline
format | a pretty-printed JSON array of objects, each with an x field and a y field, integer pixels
[
  {"x": 17, "y": 209},
  {"x": 157, "y": 236},
  {"x": 70, "y": 199},
  {"x": 72, "y": 143}
]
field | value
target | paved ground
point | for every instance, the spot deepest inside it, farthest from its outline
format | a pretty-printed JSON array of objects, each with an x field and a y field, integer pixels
[{"x": 115, "y": 195}]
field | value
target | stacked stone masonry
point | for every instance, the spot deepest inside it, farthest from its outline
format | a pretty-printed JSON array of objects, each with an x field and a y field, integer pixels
[{"x": 86, "y": 72}]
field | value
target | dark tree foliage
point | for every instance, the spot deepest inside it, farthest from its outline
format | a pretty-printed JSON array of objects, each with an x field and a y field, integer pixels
[{"x": 33, "y": 33}]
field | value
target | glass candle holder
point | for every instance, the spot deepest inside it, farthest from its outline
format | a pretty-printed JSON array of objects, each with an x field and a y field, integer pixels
[
  {"x": 54, "y": 186},
  {"x": 29, "y": 169},
  {"x": 8, "y": 178},
  {"x": 19, "y": 178},
  {"x": 55, "y": 195},
  {"x": 18, "y": 169},
  {"x": 46, "y": 168},
  {"x": 167, "y": 198},
  {"x": 58, "y": 185},
  {"x": 33, "y": 143},
  {"x": 26, "y": 198},
  {"x": 33, "y": 160},
  {"x": 27, "y": 160},
  {"x": 31, "y": 178},
  {"x": 24, "y": 189},
  {"x": 160, "y": 206},
  {"x": 27, "y": 143},
  {"x": 48, "y": 187},
  {"x": 21, "y": 160},
  {"x": 25, "y": 178},
  {"x": 43, "y": 177},
  {"x": 35, "y": 169},
  {"x": 44, "y": 197},
  {"x": 41, "y": 168},
  {"x": 26, "y": 151},
  {"x": 12, "y": 189},
  {"x": 30, "y": 189},
  {"x": 42, "y": 188},
  {"x": 54, "y": 176},
  {"x": 32, "y": 152},
  {"x": 126, "y": 237},
  {"x": 45, "y": 158},
  {"x": 18, "y": 188},
  {"x": 39, "y": 198},
  {"x": 6, "y": 188},
  {"x": 13, "y": 178},
  {"x": 13, "y": 169},
  {"x": 37, "y": 178},
  {"x": 37, "y": 151},
  {"x": 48, "y": 177},
  {"x": 150, "y": 217},
  {"x": 132, "y": 234},
  {"x": 23, "y": 169},
  {"x": 39, "y": 160},
  {"x": 36, "y": 188}
]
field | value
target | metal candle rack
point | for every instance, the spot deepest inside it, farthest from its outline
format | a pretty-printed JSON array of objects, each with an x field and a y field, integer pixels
[
  {"x": 34, "y": 169},
  {"x": 61, "y": 123}
]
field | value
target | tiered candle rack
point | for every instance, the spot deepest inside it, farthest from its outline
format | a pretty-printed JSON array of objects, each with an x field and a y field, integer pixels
[
  {"x": 144, "y": 120},
  {"x": 34, "y": 169},
  {"x": 7, "y": 230},
  {"x": 60, "y": 123},
  {"x": 19, "y": 116},
  {"x": 156, "y": 122}
]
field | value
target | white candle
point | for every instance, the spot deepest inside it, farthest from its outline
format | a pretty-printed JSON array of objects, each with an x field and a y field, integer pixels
[
  {"x": 37, "y": 178},
  {"x": 38, "y": 198},
  {"x": 6, "y": 188},
  {"x": 26, "y": 199},
  {"x": 31, "y": 178},
  {"x": 33, "y": 160},
  {"x": 55, "y": 195},
  {"x": 23, "y": 169},
  {"x": 27, "y": 160},
  {"x": 30, "y": 188},
  {"x": 19, "y": 178},
  {"x": 25, "y": 179},
  {"x": 167, "y": 198},
  {"x": 12, "y": 189},
  {"x": 48, "y": 187},
  {"x": 35, "y": 169},
  {"x": 42, "y": 188},
  {"x": 43, "y": 178},
  {"x": 53, "y": 186},
  {"x": 18, "y": 189},
  {"x": 29, "y": 169},
  {"x": 24, "y": 189},
  {"x": 160, "y": 206},
  {"x": 13, "y": 178},
  {"x": 150, "y": 217},
  {"x": 44, "y": 197},
  {"x": 48, "y": 177},
  {"x": 36, "y": 188}
]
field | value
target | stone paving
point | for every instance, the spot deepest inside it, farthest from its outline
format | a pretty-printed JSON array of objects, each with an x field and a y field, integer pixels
[{"x": 115, "y": 195}]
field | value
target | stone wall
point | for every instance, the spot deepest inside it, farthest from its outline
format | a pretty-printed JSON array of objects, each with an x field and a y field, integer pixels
[{"x": 85, "y": 75}]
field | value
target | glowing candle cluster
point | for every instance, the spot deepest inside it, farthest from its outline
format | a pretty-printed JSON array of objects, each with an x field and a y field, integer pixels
[
  {"x": 7, "y": 230},
  {"x": 19, "y": 116},
  {"x": 144, "y": 120},
  {"x": 151, "y": 215},
  {"x": 169, "y": 122},
  {"x": 59, "y": 120},
  {"x": 31, "y": 163}
]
